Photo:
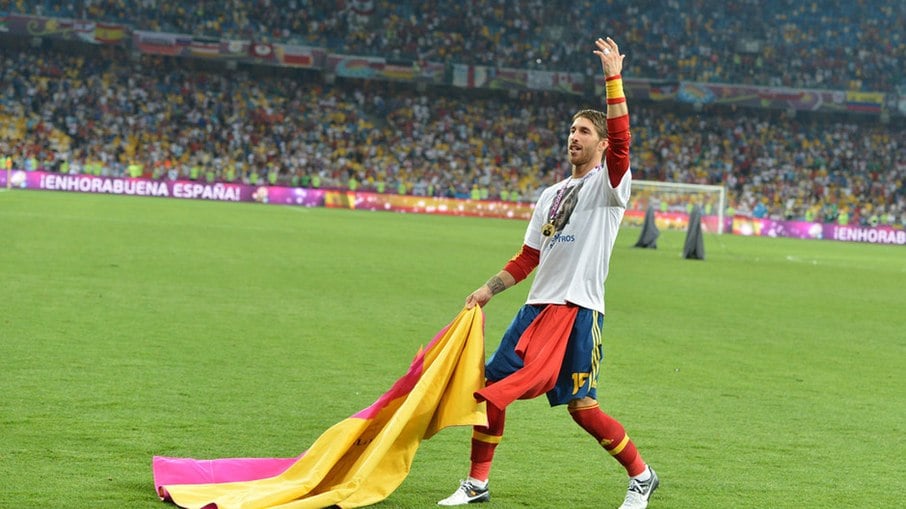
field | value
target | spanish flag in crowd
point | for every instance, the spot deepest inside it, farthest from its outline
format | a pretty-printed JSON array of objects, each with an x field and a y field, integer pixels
[{"x": 358, "y": 461}]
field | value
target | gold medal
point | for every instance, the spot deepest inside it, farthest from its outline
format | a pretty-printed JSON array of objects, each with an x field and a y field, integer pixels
[{"x": 548, "y": 229}]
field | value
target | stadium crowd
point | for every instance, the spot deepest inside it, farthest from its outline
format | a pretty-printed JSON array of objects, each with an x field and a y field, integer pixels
[
  {"x": 160, "y": 118},
  {"x": 839, "y": 44}
]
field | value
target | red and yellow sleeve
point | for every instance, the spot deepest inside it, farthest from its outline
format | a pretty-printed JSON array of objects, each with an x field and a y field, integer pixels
[{"x": 617, "y": 156}]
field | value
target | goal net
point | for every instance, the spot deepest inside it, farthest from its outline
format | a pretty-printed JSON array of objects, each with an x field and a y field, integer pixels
[{"x": 674, "y": 202}]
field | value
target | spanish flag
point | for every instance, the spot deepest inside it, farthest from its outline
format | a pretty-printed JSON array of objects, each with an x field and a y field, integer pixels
[
  {"x": 358, "y": 461},
  {"x": 107, "y": 33}
]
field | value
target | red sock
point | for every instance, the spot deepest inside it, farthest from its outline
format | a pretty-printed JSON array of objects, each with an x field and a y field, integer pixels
[
  {"x": 611, "y": 435},
  {"x": 484, "y": 441}
]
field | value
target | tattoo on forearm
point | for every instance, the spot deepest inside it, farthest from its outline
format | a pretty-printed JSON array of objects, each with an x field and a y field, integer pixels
[{"x": 496, "y": 285}]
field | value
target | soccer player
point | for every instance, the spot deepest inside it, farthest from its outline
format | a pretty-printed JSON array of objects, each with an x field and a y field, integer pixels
[{"x": 553, "y": 346}]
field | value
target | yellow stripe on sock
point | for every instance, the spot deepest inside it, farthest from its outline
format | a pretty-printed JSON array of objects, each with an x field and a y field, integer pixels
[
  {"x": 483, "y": 437},
  {"x": 619, "y": 448},
  {"x": 580, "y": 408}
]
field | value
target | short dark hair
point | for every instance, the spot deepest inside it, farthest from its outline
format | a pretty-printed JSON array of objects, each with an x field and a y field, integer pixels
[{"x": 597, "y": 118}]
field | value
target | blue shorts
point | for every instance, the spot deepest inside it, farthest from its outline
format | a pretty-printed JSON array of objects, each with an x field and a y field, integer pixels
[{"x": 578, "y": 376}]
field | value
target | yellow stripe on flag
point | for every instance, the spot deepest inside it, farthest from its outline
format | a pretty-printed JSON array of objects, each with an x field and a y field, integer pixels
[{"x": 362, "y": 459}]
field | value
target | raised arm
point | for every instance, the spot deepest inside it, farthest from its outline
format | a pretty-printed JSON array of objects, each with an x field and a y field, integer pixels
[{"x": 617, "y": 156}]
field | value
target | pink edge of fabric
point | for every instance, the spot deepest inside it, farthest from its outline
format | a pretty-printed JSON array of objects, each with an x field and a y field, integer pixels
[
  {"x": 175, "y": 471},
  {"x": 405, "y": 384},
  {"x": 171, "y": 471}
]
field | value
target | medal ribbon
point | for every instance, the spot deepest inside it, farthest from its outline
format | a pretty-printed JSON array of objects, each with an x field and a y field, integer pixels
[
  {"x": 560, "y": 195},
  {"x": 556, "y": 205}
]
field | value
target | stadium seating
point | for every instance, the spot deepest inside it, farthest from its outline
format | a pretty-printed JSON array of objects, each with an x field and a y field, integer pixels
[
  {"x": 832, "y": 45},
  {"x": 166, "y": 118}
]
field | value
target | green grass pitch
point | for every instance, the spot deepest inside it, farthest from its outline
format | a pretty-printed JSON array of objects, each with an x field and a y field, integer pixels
[{"x": 769, "y": 375}]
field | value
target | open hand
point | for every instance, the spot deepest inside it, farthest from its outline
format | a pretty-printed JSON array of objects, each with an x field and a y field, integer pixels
[{"x": 611, "y": 59}]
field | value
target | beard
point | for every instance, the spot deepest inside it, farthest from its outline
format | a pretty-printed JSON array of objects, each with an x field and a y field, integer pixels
[{"x": 579, "y": 157}]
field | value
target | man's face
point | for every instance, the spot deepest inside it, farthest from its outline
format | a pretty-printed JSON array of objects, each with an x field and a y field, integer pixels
[{"x": 584, "y": 143}]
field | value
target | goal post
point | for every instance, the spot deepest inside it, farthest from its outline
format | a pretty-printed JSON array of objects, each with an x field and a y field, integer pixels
[{"x": 672, "y": 203}]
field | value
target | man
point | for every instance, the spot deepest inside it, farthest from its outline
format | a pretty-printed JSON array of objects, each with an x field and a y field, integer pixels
[{"x": 553, "y": 346}]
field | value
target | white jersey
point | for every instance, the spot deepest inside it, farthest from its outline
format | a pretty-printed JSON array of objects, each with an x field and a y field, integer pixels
[{"x": 575, "y": 259}]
